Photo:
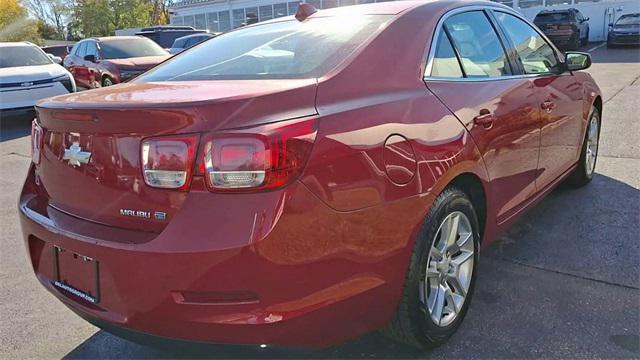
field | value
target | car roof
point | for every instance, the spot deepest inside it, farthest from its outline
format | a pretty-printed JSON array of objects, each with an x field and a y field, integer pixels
[
  {"x": 17, "y": 43},
  {"x": 195, "y": 35},
  {"x": 110, "y": 38},
  {"x": 379, "y": 8},
  {"x": 556, "y": 11},
  {"x": 390, "y": 8}
]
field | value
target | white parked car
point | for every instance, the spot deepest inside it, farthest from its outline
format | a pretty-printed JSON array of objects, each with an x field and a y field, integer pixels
[{"x": 27, "y": 75}]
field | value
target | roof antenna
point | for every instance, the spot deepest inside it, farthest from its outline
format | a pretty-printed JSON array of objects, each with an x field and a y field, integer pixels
[{"x": 304, "y": 11}]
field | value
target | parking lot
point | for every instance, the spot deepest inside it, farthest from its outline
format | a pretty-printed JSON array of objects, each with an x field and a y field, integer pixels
[{"x": 564, "y": 282}]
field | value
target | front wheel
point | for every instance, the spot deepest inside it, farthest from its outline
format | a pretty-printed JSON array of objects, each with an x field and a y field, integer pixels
[
  {"x": 440, "y": 279},
  {"x": 586, "y": 39},
  {"x": 106, "y": 81},
  {"x": 589, "y": 153}
]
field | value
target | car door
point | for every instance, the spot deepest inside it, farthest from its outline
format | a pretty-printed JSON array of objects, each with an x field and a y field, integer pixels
[
  {"x": 584, "y": 25},
  {"x": 94, "y": 75},
  {"x": 79, "y": 67},
  {"x": 471, "y": 73},
  {"x": 559, "y": 96},
  {"x": 71, "y": 61}
]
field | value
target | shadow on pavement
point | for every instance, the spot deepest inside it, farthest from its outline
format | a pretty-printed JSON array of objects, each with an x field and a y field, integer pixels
[
  {"x": 15, "y": 126},
  {"x": 551, "y": 265}
]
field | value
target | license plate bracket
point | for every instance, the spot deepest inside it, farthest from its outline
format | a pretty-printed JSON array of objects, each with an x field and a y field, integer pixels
[{"x": 77, "y": 274}]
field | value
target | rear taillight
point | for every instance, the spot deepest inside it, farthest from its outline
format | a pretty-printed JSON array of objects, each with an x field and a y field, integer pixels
[
  {"x": 37, "y": 142},
  {"x": 259, "y": 158},
  {"x": 167, "y": 162}
]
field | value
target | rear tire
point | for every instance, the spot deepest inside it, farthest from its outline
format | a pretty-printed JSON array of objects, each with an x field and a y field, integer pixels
[
  {"x": 414, "y": 322},
  {"x": 575, "y": 43},
  {"x": 583, "y": 174}
]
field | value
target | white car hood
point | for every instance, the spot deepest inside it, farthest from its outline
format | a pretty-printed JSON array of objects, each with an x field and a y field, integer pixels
[{"x": 21, "y": 74}]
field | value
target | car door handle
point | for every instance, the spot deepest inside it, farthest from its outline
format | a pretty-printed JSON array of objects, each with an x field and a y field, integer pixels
[
  {"x": 548, "y": 105},
  {"x": 485, "y": 119}
]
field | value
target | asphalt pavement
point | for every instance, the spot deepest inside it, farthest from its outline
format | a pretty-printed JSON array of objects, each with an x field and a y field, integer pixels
[{"x": 564, "y": 282}]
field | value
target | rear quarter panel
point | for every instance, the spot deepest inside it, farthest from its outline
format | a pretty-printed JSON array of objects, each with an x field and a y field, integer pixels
[{"x": 377, "y": 95}]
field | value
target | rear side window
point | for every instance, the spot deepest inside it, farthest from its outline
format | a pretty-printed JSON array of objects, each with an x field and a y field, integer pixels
[
  {"x": 282, "y": 50},
  {"x": 179, "y": 43},
  {"x": 477, "y": 43},
  {"x": 445, "y": 63},
  {"x": 536, "y": 55}
]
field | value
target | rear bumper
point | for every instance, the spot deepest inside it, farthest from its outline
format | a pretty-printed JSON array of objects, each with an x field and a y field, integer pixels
[{"x": 301, "y": 275}]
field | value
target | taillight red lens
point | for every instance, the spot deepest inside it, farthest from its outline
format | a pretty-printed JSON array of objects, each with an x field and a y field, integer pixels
[
  {"x": 167, "y": 162},
  {"x": 264, "y": 157},
  {"x": 37, "y": 142}
]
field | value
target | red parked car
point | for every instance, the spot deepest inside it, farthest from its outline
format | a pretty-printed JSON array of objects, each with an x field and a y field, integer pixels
[
  {"x": 99, "y": 62},
  {"x": 306, "y": 180}
]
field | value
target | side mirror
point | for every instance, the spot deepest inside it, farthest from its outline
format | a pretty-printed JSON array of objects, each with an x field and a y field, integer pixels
[
  {"x": 91, "y": 58},
  {"x": 575, "y": 60},
  {"x": 56, "y": 59}
]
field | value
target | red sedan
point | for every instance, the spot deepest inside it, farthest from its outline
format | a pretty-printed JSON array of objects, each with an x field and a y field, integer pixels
[
  {"x": 306, "y": 180},
  {"x": 100, "y": 62}
]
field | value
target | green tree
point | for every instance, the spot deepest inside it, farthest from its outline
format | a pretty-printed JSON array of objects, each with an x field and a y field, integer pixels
[
  {"x": 14, "y": 23},
  {"x": 48, "y": 31},
  {"x": 103, "y": 17}
]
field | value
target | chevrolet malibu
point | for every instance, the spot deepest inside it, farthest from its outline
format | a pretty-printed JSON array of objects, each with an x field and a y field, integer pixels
[{"x": 303, "y": 181}]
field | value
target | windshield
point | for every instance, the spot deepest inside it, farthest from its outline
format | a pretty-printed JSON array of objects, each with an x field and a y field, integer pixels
[
  {"x": 12, "y": 56},
  {"x": 552, "y": 17},
  {"x": 281, "y": 50},
  {"x": 633, "y": 19},
  {"x": 129, "y": 48}
]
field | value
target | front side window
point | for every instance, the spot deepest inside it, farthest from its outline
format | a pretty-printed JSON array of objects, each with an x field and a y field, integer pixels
[
  {"x": 281, "y": 50},
  {"x": 445, "y": 63},
  {"x": 480, "y": 50},
  {"x": 91, "y": 49},
  {"x": 82, "y": 49},
  {"x": 536, "y": 55},
  {"x": 14, "y": 56},
  {"x": 129, "y": 48}
]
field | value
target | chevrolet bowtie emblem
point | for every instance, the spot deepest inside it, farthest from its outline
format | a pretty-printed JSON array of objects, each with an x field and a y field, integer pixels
[{"x": 76, "y": 156}]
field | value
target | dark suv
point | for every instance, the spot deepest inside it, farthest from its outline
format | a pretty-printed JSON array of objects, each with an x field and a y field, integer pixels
[
  {"x": 567, "y": 28},
  {"x": 165, "y": 35}
]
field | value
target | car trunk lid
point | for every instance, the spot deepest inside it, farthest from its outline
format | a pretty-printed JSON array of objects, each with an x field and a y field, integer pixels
[{"x": 91, "y": 167}]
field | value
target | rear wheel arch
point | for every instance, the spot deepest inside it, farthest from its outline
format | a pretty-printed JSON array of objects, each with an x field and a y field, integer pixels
[
  {"x": 471, "y": 185},
  {"x": 597, "y": 103}
]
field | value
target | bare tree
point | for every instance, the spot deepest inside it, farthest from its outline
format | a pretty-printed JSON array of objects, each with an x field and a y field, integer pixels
[{"x": 53, "y": 12}]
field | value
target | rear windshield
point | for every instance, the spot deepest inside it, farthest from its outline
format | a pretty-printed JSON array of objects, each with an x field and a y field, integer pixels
[
  {"x": 552, "y": 17},
  {"x": 629, "y": 20},
  {"x": 129, "y": 48},
  {"x": 283, "y": 50},
  {"x": 56, "y": 50},
  {"x": 12, "y": 56}
]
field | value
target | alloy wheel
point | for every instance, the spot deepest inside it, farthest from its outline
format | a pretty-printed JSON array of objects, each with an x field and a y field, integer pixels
[
  {"x": 592, "y": 144},
  {"x": 449, "y": 269}
]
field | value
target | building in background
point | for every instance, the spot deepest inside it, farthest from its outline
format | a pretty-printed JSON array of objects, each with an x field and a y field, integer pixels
[{"x": 224, "y": 15}]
